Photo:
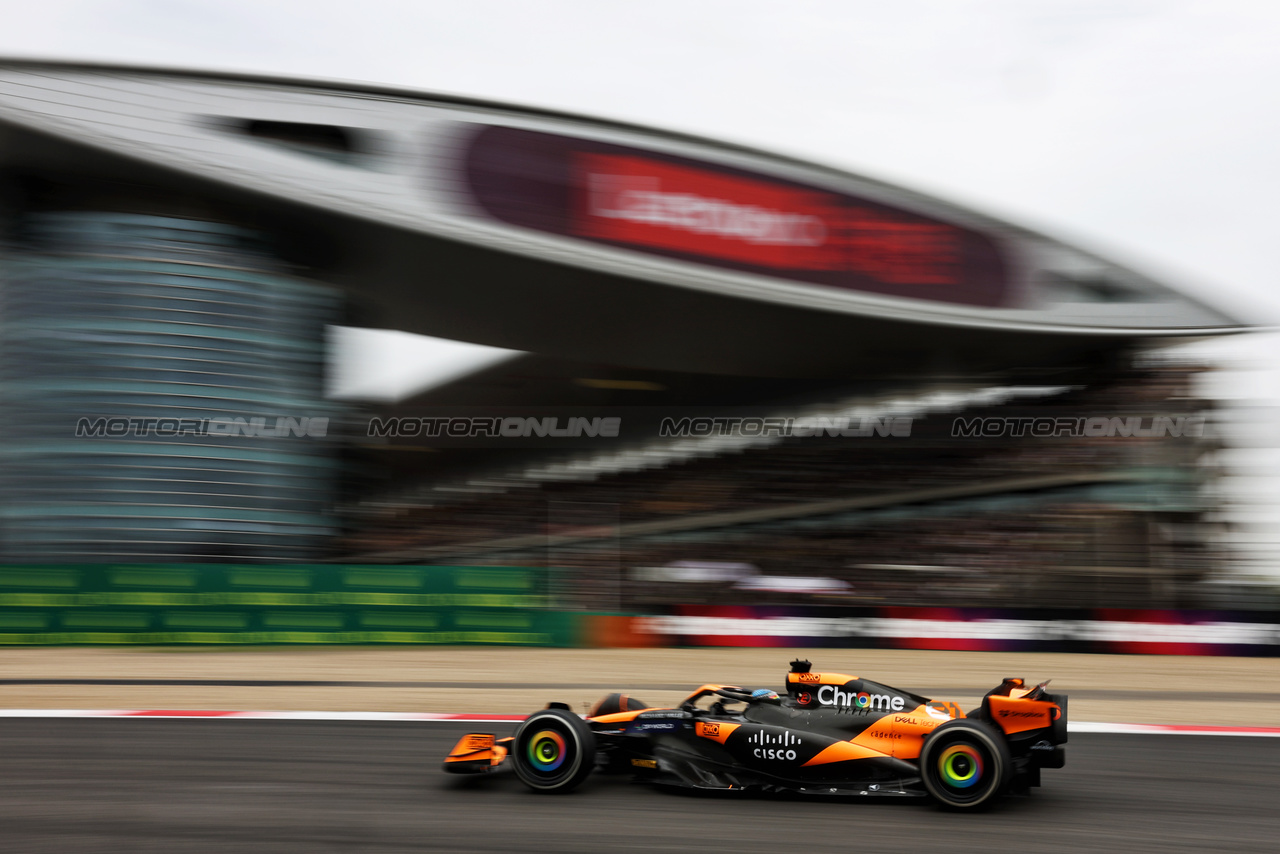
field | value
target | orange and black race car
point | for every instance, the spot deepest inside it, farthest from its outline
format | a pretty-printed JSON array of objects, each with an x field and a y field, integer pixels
[{"x": 829, "y": 734}]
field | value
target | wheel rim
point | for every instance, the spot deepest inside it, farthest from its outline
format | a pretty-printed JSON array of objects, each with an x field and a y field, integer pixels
[
  {"x": 963, "y": 770},
  {"x": 961, "y": 767},
  {"x": 547, "y": 751}
]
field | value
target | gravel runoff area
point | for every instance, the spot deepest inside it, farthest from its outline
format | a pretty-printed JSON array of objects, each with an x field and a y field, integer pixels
[{"x": 516, "y": 680}]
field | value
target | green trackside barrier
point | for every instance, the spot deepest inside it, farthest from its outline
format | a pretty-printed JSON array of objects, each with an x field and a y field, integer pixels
[{"x": 76, "y": 604}]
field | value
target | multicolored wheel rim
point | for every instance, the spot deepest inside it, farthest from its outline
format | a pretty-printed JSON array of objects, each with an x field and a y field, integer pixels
[
  {"x": 961, "y": 766},
  {"x": 547, "y": 751}
]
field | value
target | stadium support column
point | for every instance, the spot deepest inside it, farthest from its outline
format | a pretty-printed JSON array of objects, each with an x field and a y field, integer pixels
[{"x": 161, "y": 379}]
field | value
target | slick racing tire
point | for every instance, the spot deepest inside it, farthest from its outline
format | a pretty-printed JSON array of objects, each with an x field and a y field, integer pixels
[
  {"x": 553, "y": 751},
  {"x": 965, "y": 764}
]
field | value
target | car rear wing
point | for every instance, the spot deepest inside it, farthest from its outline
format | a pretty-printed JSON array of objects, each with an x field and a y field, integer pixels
[{"x": 1017, "y": 709}]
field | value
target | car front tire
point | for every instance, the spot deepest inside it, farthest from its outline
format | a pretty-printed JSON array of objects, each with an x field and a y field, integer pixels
[{"x": 553, "y": 751}]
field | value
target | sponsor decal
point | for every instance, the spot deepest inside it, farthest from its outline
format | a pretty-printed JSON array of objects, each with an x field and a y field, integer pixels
[
  {"x": 775, "y": 747},
  {"x": 924, "y": 723},
  {"x": 809, "y": 677},
  {"x": 645, "y": 763},
  {"x": 1042, "y": 745},
  {"x": 728, "y": 217},
  {"x": 664, "y": 713},
  {"x": 650, "y": 203},
  {"x": 716, "y": 732},
  {"x": 1010, "y": 713},
  {"x": 804, "y": 698},
  {"x": 884, "y": 733},
  {"x": 770, "y": 753},
  {"x": 654, "y": 726},
  {"x": 859, "y": 701},
  {"x": 479, "y": 742},
  {"x": 646, "y": 202}
]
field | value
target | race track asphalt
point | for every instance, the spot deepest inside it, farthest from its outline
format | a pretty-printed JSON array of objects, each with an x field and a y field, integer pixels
[{"x": 136, "y": 786}]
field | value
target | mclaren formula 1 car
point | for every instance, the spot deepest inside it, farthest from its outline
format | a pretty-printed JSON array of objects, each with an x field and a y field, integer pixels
[{"x": 828, "y": 734}]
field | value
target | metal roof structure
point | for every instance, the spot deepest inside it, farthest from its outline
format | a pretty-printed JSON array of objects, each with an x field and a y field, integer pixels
[{"x": 589, "y": 240}]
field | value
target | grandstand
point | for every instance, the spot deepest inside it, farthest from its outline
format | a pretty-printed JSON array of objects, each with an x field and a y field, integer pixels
[{"x": 1127, "y": 512}]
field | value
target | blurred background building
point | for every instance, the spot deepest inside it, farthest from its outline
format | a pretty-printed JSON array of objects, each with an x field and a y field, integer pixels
[
  {"x": 175, "y": 243},
  {"x": 113, "y": 313}
]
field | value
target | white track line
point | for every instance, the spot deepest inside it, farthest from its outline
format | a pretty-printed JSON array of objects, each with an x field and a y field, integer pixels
[
  {"x": 204, "y": 714},
  {"x": 1173, "y": 729}
]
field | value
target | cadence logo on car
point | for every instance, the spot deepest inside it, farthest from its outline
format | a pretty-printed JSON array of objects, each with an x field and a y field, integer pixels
[
  {"x": 859, "y": 701},
  {"x": 885, "y": 733}
]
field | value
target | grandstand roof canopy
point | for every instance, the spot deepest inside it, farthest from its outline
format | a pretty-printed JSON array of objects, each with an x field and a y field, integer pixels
[{"x": 583, "y": 240}]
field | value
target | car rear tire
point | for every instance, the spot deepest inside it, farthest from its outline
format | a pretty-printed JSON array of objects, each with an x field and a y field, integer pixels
[
  {"x": 965, "y": 764},
  {"x": 553, "y": 751}
]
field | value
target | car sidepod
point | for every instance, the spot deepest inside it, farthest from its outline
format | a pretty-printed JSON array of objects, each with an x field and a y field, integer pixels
[{"x": 732, "y": 752}]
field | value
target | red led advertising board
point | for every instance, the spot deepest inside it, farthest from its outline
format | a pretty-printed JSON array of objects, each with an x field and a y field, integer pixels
[{"x": 728, "y": 218}]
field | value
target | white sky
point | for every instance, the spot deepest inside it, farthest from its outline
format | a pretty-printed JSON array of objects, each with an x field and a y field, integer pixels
[{"x": 1148, "y": 130}]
